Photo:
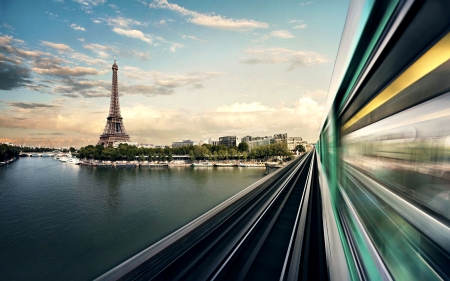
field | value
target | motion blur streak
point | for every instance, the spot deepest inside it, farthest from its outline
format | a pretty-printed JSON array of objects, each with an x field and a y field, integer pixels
[
  {"x": 384, "y": 146},
  {"x": 429, "y": 61}
]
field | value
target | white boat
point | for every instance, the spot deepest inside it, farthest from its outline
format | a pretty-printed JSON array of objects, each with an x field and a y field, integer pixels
[
  {"x": 63, "y": 159},
  {"x": 73, "y": 160},
  {"x": 224, "y": 164},
  {"x": 251, "y": 165},
  {"x": 202, "y": 164}
]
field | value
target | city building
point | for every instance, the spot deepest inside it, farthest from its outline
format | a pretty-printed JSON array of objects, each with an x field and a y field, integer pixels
[
  {"x": 280, "y": 138},
  {"x": 114, "y": 130},
  {"x": 260, "y": 141},
  {"x": 146, "y": 145},
  {"x": 183, "y": 143},
  {"x": 229, "y": 141},
  {"x": 246, "y": 139},
  {"x": 209, "y": 141},
  {"x": 262, "y": 138},
  {"x": 117, "y": 143},
  {"x": 292, "y": 142}
]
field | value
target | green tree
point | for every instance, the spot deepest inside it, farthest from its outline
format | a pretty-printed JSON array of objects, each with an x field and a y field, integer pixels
[
  {"x": 98, "y": 151},
  {"x": 88, "y": 152},
  {"x": 300, "y": 148},
  {"x": 252, "y": 154},
  {"x": 232, "y": 152},
  {"x": 192, "y": 155},
  {"x": 243, "y": 146},
  {"x": 109, "y": 153},
  {"x": 207, "y": 146},
  {"x": 8, "y": 151},
  {"x": 244, "y": 155}
]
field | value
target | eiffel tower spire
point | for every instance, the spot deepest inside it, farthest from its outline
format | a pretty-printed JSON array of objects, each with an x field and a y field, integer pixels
[{"x": 114, "y": 129}]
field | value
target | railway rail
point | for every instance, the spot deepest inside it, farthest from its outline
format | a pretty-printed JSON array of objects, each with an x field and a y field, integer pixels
[{"x": 273, "y": 230}]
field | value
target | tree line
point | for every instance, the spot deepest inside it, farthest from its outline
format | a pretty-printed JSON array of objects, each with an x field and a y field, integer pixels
[
  {"x": 45, "y": 149},
  {"x": 203, "y": 152},
  {"x": 8, "y": 151}
]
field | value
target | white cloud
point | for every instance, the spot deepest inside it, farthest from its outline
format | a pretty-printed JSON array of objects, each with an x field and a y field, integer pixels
[
  {"x": 69, "y": 71},
  {"x": 57, "y": 46},
  {"x": 96, "y": 21},
  {"x": 175, "y": 46},
  {"x": 229, "y": 24},
  {"x": 307, "y": 3},
  {"x": 294, "y": 59},
  {"x": 134, "y": 34},
  {"x": 88, "y": 5},
  {"x": 303, "y": 118},
  {"x": 7, "y": 47},
  {"x": 193, "y": 38},
  {"x": 158, "y": 83},
  {"x": 163, "y": 125},
  {"x": 94, "y": 47},
  {"x": 281, "y": 34},
  {"x": 77, "y": 27},
  {"x": 136, "y": 54},
  {"x": 244, "y": 107},
  {"x": 295, "y": 21},
  {"x": 101, "y": 50},
  {"x": 51, "y": 15},
  {"x": 106, "y": 52},
  {"x": 90, "y": 2},
  {"x": 318, "y": 95},
  {"x": 302, "y": 26},
  {"x": 213, "y": 21},
  {"x": 88, "y": 60},
  {"x": 81, "y": 39},
  {"x": 8, "y": 59},
  {"x": 123, "y": 22}
]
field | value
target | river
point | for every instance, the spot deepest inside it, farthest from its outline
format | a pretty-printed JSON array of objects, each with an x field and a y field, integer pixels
[{"x": 66, "y": 222}]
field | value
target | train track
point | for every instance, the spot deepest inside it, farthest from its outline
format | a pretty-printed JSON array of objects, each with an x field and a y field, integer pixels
[{"x": 273, "y": 232}]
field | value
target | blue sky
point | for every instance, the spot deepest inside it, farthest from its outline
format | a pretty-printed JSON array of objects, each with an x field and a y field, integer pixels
[{"x": 187, "y": 69}]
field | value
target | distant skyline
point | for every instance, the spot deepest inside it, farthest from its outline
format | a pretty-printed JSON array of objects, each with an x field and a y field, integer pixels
[{"x": 187, "y": 69}]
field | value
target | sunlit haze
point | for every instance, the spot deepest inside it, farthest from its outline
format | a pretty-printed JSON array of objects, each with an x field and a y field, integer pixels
[{"x": 187, "y": 69}]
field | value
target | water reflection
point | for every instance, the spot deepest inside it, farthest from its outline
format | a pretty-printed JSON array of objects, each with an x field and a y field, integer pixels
[{"x": 67, "y": 222}]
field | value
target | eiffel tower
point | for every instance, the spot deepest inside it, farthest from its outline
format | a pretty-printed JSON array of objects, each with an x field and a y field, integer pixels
[{"x": 114, "y": 129}]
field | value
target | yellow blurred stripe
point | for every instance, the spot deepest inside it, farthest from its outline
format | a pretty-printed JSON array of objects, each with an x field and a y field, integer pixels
[{"x": 434, "y": 57}]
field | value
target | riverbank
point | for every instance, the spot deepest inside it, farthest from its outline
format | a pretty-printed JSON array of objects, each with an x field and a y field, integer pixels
[
  {"x": 8, "y": 161},
  {"x": 117, "y": 164}
]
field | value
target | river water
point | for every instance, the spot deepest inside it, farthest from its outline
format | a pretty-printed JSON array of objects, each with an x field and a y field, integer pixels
[{"x": 65, "y": 222}]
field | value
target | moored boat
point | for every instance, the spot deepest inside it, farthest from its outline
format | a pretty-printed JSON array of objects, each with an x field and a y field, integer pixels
[
  {"x": 202, "y": 164},
  {"x": 251, "y": 165},
  {"x": 224, "y": 164},
  {"x": 73, "y": 160}
]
